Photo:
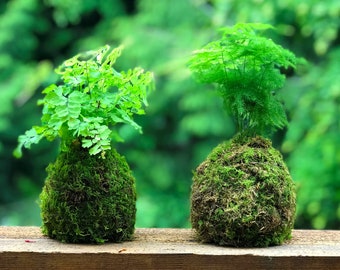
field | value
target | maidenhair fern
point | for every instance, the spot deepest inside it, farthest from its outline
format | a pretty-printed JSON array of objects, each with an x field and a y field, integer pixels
[
  {"x": 92, "y": 98},
  {"x": 246, "y": 67}
]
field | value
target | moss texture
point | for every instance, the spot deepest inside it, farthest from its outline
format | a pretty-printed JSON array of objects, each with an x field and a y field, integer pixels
[
  {"x": 87, "y": 199},
  {"x": 243, "y": 195}
]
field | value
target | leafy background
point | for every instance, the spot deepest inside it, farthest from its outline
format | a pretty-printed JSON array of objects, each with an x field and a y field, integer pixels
[{"x": 184, "y": 120}]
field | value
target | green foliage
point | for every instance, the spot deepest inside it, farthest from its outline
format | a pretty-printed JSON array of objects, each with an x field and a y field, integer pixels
[
  {"x": 93, "y": 98},
  {"x": 21, "y": 74},
  {"x": 314, "y": 152},
  {"x": 243, "y": 195},
  {"x": 95, "y": 206},
  {"x": 179, "y": 131},
  {"x": 184, "y": 119},
  {"x": 246, "y": 67}
]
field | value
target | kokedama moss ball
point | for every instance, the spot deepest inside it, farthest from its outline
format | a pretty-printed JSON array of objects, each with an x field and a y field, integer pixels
[
  {"x": 243, "y": 195},
  {"x": 88, "y": 199}
]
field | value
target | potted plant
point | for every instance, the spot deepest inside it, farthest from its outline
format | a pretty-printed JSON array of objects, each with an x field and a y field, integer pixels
[
  {"x": 89, "y": 195},
  {"x": 243, "y": 194}
]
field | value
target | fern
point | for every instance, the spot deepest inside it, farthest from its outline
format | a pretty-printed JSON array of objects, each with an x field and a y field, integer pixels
[
  {"x": 90, "y": 102},
  {"x": 246, "y": 67}
]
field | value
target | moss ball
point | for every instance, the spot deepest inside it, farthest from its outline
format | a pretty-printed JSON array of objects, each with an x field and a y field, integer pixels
[
  {"x": 243, "y": 195},
  {"x": 88, "y": 199}
]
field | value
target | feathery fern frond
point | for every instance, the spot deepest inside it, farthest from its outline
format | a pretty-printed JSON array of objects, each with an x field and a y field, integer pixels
[{"x": 246, "y": 67}]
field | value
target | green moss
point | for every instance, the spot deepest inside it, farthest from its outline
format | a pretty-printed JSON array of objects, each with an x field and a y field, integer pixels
[
  {"x": 87, "y": 199},
  {"x": 243, "y": 195}
]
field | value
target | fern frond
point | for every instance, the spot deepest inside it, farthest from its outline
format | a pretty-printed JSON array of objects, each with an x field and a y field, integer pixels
[{"x": 246, "y": 68}]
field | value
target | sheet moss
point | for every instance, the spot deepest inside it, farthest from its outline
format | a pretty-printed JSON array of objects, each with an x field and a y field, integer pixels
[
  {"x": 243, "y": 195},
  {"x": 88, "y": 199}
]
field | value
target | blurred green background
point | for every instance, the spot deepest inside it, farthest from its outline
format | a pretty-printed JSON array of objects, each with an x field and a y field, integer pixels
[{"x": 184, "y": 120}]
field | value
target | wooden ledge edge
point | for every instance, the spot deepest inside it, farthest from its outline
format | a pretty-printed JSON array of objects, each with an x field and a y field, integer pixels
[
  {"x": 171, "y": 241},
  {"x": 27, "y": 248}
]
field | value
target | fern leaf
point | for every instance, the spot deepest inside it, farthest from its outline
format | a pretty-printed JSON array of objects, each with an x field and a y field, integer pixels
[{"x": 246, "y": 67}]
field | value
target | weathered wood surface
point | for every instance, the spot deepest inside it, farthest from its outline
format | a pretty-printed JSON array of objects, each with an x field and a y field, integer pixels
[{"x": 27, "y": 248}]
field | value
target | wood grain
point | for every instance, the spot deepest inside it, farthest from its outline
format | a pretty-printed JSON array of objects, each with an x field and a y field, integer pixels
[{"x": 27, "y": 248}]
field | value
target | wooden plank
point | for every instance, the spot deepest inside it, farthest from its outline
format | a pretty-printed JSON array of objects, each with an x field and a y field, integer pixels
[{"x": 27, "y": 248}]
